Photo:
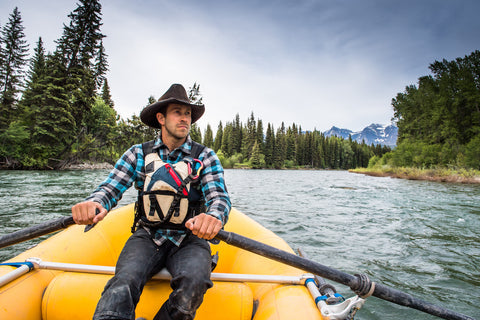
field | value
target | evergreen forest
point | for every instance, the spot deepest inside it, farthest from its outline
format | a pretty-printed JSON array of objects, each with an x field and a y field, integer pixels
[
  {"x": 439, "y": 118},
  {"x": 57, "y": 110}
]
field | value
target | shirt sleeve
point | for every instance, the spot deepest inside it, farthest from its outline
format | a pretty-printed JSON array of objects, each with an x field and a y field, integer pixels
[
  {"x": 214, "y": 188},
  {"x": 122, "y": 176}
]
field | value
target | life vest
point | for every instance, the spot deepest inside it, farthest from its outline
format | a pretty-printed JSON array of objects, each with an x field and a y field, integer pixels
[{"x": 171, "y": 193}]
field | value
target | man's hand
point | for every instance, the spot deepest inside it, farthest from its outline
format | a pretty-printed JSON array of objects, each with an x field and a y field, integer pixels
[
  {"x": 204, "y": 226},
  {"x": 84, "y": 212}
]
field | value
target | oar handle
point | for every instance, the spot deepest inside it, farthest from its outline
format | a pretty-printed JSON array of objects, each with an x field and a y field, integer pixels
[
  {"x": 356, "y": 282},
  {"x": 35, "y": 231}
]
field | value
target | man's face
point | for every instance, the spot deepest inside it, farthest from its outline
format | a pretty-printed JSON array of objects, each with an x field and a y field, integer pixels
[{"x": 177, "y": 120}]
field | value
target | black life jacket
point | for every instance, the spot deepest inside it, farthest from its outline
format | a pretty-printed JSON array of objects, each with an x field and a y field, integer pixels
[{"x": 171, "y": 193}]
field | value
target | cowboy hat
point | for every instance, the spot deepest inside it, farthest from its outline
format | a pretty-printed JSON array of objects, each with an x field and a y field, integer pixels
[{"x": 175, "y": 94}]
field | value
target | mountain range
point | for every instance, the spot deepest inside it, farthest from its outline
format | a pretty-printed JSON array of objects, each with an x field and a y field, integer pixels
[{"x": 375, "y": 133}]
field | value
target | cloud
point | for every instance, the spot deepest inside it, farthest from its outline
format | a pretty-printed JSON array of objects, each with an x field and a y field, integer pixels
[{"x": 315, "y": 63}]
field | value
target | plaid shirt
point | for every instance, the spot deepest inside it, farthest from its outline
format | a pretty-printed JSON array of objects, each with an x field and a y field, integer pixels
[{"x": 130, "y": 168}]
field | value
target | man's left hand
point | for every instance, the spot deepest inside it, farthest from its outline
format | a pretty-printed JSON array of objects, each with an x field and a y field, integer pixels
[{"x": 204, "y": 226}]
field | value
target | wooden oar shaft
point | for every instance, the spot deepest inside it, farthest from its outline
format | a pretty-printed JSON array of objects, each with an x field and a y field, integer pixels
[
  {"x": 381, "y": 291},
  {"x": 35, "y": 231}
]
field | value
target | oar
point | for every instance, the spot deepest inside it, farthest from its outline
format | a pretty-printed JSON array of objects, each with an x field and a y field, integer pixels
[
  {"x": 40, "y": 230},
  {"x": 35, "y": 231},
  {"x": 360, "y": 284}
]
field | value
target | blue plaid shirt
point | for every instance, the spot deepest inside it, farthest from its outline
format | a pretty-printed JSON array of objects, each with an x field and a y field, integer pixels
[{"x": 130, "y": 168}]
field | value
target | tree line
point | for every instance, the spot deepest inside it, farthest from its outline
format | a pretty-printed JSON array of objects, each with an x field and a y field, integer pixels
[
  {"x": 62, "y": 111},
  {"x": 439, "y": 119},
  {"x": 249, "y": 145}
]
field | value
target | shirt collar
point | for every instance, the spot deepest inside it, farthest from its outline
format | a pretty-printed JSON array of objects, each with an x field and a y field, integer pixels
[{"x": 185, "y": 148}]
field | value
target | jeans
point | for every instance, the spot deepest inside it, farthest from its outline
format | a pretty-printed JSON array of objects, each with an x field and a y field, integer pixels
[{"x": 190, "y": 267}]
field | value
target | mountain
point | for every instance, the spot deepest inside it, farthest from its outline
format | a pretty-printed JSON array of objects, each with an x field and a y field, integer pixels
[{"x": 374, "y": 133}]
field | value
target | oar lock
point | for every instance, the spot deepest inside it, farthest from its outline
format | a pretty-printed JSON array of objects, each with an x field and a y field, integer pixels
[{"x": 363, "y": 286}]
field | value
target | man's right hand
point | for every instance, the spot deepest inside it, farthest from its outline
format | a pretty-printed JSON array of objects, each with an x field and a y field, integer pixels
[{"x": 84, "y": 212}]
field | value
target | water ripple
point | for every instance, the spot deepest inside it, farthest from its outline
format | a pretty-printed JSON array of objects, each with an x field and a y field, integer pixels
[{"x": 419, "y": 237}]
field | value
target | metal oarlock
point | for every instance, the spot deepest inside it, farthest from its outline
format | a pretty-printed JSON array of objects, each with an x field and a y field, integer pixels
[{"x": 340, "y": 311}]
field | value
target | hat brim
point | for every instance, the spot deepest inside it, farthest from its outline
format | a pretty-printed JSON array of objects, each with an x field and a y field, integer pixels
[{"x": 149, "y": 113}]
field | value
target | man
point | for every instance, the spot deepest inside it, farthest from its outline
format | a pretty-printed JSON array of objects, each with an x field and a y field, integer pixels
[{"x": 159, "y": 240}]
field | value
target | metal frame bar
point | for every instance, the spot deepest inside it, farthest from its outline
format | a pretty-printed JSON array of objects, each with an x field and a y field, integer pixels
[{"x": 165, "y": 275}]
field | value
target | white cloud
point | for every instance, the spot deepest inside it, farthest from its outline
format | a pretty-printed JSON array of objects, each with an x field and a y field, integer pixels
[{"x": 314, "y": 63}]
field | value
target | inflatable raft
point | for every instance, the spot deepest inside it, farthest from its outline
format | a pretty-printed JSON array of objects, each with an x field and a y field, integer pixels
[{"x": 71, "y": 268}]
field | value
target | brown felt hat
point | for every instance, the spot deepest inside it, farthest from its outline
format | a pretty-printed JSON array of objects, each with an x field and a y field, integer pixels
[{"x": 175, "y": 94}]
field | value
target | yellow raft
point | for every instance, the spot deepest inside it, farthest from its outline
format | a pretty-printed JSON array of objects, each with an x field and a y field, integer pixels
[{"x": 51, "y": 294}]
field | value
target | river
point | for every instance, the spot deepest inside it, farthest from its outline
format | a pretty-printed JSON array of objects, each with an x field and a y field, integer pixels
[{"x": 419, "y": 237}]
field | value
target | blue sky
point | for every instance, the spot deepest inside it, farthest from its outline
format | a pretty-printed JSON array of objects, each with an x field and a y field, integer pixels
[{"x": 317, "y": 63}]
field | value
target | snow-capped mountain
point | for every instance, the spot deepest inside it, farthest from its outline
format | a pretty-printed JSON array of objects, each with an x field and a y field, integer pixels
[{"x": 374, "y": 133}]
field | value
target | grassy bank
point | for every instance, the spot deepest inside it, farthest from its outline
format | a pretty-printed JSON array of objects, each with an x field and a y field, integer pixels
[{"x": 438, "y": 174}]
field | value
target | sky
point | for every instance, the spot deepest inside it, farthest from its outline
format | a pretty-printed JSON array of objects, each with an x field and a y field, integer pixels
[{"x": 315, "y": 63}]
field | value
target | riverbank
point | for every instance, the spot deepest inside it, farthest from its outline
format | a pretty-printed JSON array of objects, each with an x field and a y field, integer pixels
[{"x": 440, "y": 175}]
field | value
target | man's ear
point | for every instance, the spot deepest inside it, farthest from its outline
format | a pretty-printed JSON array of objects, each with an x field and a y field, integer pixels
[{"x": 161, "y": 118}]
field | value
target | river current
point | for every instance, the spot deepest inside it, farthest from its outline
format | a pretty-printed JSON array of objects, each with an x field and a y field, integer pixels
[{"x": 419, "y": 237}]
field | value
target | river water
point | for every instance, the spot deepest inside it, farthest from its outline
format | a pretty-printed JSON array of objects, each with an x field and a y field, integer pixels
[{"x": 419, "y": 237}]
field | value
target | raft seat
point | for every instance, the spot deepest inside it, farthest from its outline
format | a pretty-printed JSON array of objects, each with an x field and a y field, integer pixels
[{"x": 75, "y": 296}]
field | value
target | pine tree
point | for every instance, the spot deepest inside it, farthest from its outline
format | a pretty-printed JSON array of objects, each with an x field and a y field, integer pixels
[
  {"x": 101, "y": 67},
  {"x": 195, "y": 97},
  {"x": 291, "y": 139},
  {"x": 250, "y": 136},
  {"x": 236, "y": 135},
  {"x": 194, "y": 94},
  {"x": 208, "y": 137},
  {"x": 279, "y": 155},
  {"x": 195, "y": 133},
  {"x": 218, "y": 137},
  {"x": 33, "y": 95},
  {"x": 106, "y": 96},
  {"x": 269, "y": 146},
  {"x": 256, "y": 160},
  {"x": 52, "y": 134},
  {"x": 227, "y": 145},
  {"x": 13, "y": 58},
  {"x": 80, "y": 50},
  {"x": 259, "y": 136}
]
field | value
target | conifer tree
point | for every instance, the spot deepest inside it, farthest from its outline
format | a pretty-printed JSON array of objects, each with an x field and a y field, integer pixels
[
  {"x": 13, "y": 58},
  {"x": 257, "y": 159},
  {"x": 236, "y": 135},
  {"x": 259, "y": 136},
  {"x": 280, "y": 148},
  {"x": 291, "y": 139},
  {"x": 101, "y": 66},
  {"x": 195, "y": 97},
  {"x": 52, "y": 135},
  {"x": 227, "y": 144},
  {"x": 195, "y": 133},
  {"x": 269, "y": 146},
  {"x": 80, "y": 50},
  {"x": 194, "y": 94},
  {"x": 208, "y": 137},
  {"x": 33, "y": 95},
  {"x": 106, "y": 96},
  {"x": 250, "y": 136},
  {"x": 218, "y": 137}
]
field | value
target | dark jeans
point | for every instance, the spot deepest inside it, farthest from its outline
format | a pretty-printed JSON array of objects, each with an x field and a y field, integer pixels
[{"x": 140, "y": 259}]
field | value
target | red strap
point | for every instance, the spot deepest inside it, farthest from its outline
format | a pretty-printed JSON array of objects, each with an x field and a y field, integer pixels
[{"x": 175, "y": 177}]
